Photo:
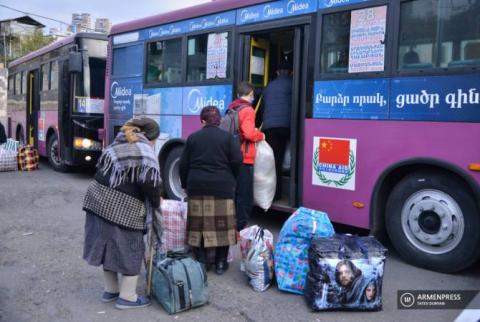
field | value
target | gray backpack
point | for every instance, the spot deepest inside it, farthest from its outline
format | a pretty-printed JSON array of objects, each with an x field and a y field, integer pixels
[
  {"x": 230, "y": 122},
  {"x": 179, "y": 283}
]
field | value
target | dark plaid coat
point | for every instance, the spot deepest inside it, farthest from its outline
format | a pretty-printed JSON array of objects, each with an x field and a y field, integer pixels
[{"x": 211, "y": 219}]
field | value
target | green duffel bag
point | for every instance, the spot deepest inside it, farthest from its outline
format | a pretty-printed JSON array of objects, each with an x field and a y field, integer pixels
[{"x": 180, "y": 283}]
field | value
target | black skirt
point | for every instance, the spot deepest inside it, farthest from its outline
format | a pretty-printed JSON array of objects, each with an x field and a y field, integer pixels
[{"x": 117, "y": 249}]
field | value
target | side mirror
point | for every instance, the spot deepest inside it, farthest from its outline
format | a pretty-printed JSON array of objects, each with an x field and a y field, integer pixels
[{"x": 75, "y": 62}]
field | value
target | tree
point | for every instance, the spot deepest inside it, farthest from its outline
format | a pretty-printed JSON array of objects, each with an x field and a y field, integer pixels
[{"x": 33, "y": 42}]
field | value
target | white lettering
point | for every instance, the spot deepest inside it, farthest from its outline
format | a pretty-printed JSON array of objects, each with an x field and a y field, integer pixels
[
  {"x": 268, "y": 11},
  {"x": 117, "y": 91},
  {"x": 293, "y": 6}
]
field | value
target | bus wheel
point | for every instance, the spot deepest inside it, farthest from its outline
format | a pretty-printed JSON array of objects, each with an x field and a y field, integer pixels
[
  {"x": 171, "y": 176},
  {"x": 432, "y": 221},
  {"x": 54, "y": 159}
]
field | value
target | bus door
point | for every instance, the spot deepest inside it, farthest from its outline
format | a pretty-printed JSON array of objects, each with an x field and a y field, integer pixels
[
  {"x": 33, "y": 106},
  {"x": 262, "y": 52}
]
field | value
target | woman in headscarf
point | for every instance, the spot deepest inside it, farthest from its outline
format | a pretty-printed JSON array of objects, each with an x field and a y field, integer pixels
[
  {"x": 208, "y": 169},
  {"x": 125, "y": 188}
]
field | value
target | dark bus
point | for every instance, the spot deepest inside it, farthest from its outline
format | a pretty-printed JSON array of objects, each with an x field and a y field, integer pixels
[{"x": 55, "y": 100}]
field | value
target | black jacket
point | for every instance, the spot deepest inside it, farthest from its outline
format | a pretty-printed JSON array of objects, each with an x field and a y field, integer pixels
[
  {"x": 210, "y": 163},
  {"x": 277, "y": 98},
  {"x": 139, "y": 190}
]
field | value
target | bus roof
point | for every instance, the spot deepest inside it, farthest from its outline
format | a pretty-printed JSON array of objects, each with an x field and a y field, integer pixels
[
  {"x": 182, "y": 14},
  {"x": 55, "y": 45}
]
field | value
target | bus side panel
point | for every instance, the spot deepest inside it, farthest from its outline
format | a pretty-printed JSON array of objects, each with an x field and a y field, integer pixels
[
  {"x": 190, "y": 124},
  {"x": 379, "y": 144},
  {"x": 18, "y": 118},
  {"x": 46, "y": 120}
]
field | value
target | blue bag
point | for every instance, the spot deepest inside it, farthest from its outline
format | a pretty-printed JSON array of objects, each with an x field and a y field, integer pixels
[{"x": 291, "y": 250}]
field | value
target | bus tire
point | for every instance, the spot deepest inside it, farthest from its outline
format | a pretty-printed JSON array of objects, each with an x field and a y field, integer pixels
[
  {"x": 432, "y": 221},
  {"x": 53, "y": 155},
  {"x": 172, "y": 183}
]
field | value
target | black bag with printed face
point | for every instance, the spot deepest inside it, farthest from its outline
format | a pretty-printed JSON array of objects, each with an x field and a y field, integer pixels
[{"x": 346, "y": 273}]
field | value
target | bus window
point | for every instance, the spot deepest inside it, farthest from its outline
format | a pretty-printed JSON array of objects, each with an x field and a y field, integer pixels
[
  {"x": 54, "y": 75},
  {"x": 127, "y": 61},
  {"x": 11, "y": 83},
  {"x": 163, "y": 63},
  {"x": 335, "y": 41},
  {"x": 449, "y": 35},
  {"x": 208, "y": 57},
  {"x": 23, "y": 82},
  {"x": 460, "y": 33},
  {"x": 17, "y": 84},
  {"x": 97, "y": 77},
  {"x": 354, "y": 41},
  {"x": 45, "y": 81}
]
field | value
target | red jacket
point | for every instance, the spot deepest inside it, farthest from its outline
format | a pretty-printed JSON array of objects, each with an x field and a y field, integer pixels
[{"x": 248, "y": 132}]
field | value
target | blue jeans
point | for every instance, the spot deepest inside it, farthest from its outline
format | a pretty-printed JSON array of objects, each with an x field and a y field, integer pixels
[{"x": 244, "y": 195}]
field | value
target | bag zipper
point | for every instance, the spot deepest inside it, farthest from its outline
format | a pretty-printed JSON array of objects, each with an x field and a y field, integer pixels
[{"x": 188, "y": 283}]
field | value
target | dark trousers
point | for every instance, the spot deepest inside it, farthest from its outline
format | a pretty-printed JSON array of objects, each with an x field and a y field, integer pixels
[
  {"x": 278, "y": 138},
  {"x": 212, "y": 255},
  {"x": 244, "y": 195}
]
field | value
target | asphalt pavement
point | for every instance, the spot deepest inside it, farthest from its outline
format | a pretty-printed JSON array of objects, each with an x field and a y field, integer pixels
[{"x": 44, "y": 278}]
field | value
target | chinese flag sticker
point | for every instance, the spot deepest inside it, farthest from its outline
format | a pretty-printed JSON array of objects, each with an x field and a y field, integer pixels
[{"x": 334, "y": 151}]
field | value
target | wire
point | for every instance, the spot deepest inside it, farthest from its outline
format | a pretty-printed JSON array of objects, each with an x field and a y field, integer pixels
[{"x": 43, "y": 17}]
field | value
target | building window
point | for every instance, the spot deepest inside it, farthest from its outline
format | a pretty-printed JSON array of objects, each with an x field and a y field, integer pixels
[{"x": 164, "y": 62}]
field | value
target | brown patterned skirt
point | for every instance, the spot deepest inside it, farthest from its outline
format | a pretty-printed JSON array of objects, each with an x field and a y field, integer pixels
[{"x": 212, "y": 220}]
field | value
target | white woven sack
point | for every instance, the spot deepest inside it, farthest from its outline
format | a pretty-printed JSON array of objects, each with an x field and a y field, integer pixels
[{"x": 264, "y": 176}]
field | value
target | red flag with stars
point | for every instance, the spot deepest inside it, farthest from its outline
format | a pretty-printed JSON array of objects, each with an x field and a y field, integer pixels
[{"x": 334, "y": 151}]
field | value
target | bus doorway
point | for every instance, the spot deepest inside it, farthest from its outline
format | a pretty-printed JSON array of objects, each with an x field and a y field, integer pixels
[
  {"x": 33, "y": 106},
  {"x": 265, "y": 53}
]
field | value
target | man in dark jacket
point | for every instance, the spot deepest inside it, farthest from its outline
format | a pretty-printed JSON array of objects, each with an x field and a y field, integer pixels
[{"x": 277, "y": 98}]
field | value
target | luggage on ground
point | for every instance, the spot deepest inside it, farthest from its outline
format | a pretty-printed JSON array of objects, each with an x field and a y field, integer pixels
[
  {"x": 257, "y": 256},
  {"x": 173, "y": 220},
  {"x": 346, "y": 272},
  {"x": 179, "y": 283},
  {"x": 291, "y": 250},
  {"x": 8, "y": 160},
  {"x": 264, "y": 176},
  {"x": 28, "y": 158}
]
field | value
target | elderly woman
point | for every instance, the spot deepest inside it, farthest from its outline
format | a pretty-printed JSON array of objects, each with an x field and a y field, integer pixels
[
  {"x": 126, "y": 187},
  {"x": 208, "y": 169}
]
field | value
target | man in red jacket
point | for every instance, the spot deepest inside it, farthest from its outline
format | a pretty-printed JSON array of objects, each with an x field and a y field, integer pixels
[{"x": 249, "y": 135}]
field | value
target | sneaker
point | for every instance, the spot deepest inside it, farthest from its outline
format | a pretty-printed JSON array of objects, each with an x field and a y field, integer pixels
[
  {"x": 108, "y": 297},
  {"x": 142, "y": 301}
]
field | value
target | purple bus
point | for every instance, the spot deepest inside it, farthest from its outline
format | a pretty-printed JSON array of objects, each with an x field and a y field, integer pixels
[
  {"x": 55, "y": 100},
  {"x": 385, "y": 106}
]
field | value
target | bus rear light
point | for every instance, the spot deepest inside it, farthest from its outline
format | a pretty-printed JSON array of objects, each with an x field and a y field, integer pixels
[
  {"x": 474, "y": 166},
  {"x": 357, "y": 204}
]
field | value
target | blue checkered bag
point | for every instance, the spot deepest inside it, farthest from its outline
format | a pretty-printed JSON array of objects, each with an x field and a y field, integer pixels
[
  {"x": 11, "y": 145},
  {"x": 291, "y": 250},
  {"x": 8, "y": 160}
]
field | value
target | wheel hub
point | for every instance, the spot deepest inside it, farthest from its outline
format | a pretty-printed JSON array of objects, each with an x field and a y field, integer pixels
[{"x": 433, "y": 221}]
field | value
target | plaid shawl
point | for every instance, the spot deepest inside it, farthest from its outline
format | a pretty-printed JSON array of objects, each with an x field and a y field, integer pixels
[{"x": 129, "y": 161}]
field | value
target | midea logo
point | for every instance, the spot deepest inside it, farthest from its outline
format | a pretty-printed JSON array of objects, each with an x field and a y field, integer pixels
[
  {"x": 293, "y": 6},
  {"x": 196, "y": 101},
  {"x": 116, "y": 90},
  {"x": 268, "y": 11},
  {"x": 331, "y": 3}
]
